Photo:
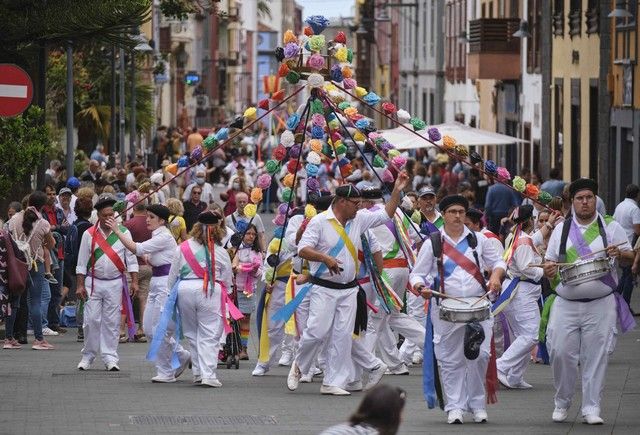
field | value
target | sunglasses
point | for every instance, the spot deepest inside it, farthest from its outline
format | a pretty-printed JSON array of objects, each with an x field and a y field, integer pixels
[{"x": 195, "y": 193}]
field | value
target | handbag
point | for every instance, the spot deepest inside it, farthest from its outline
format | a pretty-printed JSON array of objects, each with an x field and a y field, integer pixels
[{"x": 17, "y": 267}]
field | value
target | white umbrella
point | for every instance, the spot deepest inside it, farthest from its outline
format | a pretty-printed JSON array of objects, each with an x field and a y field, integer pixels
[{"x": 463, "y": 134}]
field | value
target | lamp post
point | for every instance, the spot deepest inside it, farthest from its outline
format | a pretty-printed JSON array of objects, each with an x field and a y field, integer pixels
[
  {"x": 142, "y": 46},
  {"x": 70, "y": 148}
]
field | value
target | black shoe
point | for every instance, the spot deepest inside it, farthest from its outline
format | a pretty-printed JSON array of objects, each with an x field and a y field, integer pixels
[
  {"x": 58, "y": 329},
  {"x": 22, "y": 339},
  {"x": 80, "y": 338}
]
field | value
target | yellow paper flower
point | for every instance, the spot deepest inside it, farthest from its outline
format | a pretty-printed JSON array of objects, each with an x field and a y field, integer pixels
[
  {"x": 256, "y": 195},
  {"x": 289, "y": 36},
  {"x": 310, "y": 211},
  {"x": 250, "y": 210},
  {"x": 250, "y": 113},
  {"x": 341, "y": 54},
  {"x": 359, "y": 137},
  {"x": 288, "y": 180},
  {"x": 361, "y": 92},
  {"x": 274, "y": 245},
  {"x": 316, "y": 145},
  {"x": 329, "y": 87}
]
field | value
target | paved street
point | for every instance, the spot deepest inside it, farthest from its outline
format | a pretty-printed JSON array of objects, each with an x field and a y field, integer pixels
[{"x": 44, "y": 394}]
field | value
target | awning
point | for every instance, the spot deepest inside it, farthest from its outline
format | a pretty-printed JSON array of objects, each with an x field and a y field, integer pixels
[{"x": 463, "y": 134}]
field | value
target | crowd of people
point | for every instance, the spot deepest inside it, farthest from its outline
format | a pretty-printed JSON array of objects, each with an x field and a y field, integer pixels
[{"x": 143, "y": 255}]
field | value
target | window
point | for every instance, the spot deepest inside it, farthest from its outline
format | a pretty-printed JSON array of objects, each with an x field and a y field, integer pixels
[
  {"x": 558, "y": 18},
  {"x": 432, "y": 28},
  {"x": 592, "y": 16},
  {"x": 533, "y": 46},
  {"x": 575, "y": 18},
  {"x": 424, "y": 30},
  {"x": 558, "y": 142}
]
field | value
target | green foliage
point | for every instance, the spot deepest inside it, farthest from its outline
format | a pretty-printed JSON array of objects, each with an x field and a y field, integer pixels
[{"x": 24, "y": 141}]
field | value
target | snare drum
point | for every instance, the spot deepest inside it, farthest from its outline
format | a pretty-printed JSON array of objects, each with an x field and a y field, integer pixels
[
  {"x": 585, "y": 271},
  {"x": 460, "y": 312}
]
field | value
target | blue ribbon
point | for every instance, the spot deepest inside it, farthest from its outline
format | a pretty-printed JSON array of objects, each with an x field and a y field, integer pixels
[
  {"x": 170, "y": 308},
  {"x": 428, "y": 370},
  {"x": 506, "y": 293},
  {"x": 285, "y": 313},
  {"x": 450, "y": 265}
]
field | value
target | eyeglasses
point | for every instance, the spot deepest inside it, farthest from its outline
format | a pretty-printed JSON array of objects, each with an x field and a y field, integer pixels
[
  {"x": 456, "y": 211},
  {"x": 195, "y": 192},
  {"x": 354, "y": 201},
  {"x": 584, "y": 198}
]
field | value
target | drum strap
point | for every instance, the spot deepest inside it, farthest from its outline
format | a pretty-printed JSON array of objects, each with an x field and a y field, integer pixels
[{"x": 562, "y": 257}]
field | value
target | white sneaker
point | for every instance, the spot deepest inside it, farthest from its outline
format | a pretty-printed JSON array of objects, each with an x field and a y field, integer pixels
[
  {"x": 294, "y": 377},
  {"x": 401, "y": 370},
  {"x": 315, "y": 371},
  {"x": 84, "y": 365},
  {"x": 354, "y": 386},
  {"x": 480, "y": 416},
  {"x": 333, "y": 391},
  {"x": 416, "y": 358},
  {"x": 306, "y": 379},
  {"x": 211, "y": 382},
  {"x": 112, "y": 367},
  {"x": 49, "y": 331},
  {"x": 285, "y": 359},
  {"x": 502, "y": 378},
  {"x": 592, "y": 419},
  {"x": 162, "y": 380},
  {"x": 260, "y": 370},
  {"x": 523, "y": 386},
  {"x": 455, "y": 417},
  {"x": 375, "y": 375},
  {"x": 180, "y": 370},
  {"x": 559, "y": 415},
  {"x": 197, "y": 379}
]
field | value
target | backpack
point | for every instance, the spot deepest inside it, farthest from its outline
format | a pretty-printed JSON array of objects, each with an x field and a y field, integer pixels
[{"x": 23, "y": 246}]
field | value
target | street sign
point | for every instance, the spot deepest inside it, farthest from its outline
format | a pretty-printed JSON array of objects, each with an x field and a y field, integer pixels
[{"x": 16, "y": 90}]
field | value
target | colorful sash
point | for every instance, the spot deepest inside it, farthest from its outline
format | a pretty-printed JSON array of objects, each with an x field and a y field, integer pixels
[
  {"x": 262, "y": 322},
  {"x": 582, "y": 247},
  {"x": 456, "y": 257},
  {"x": 389, "y": 300},
  {"x": 344, "y": 235}
]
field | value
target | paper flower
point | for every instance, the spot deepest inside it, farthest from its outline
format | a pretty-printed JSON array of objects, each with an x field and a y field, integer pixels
[
  {"x": 448, "y": 142},
  {"x": 183, "y": 162},
  {"x": 358, "y": 136},
  {"x": 287, "y": 181},
  {"x": 417, "y": 124},
  {"x": 349, "y": 83},
  {"x": 416, "y": 217},
  {"x": 544, "y": 197},
  {"x": 292, "y": 121},
  {"x": 490, "y": 167},
  {"x": 287, "y": 139},
  {"x": 349, "y": 55},
  {"x": 371, "y": 99},
  {"x": 532, "y": 191},
  {"x": 293, "y": 165},
  {"x": 312, "y": 170},
  {"x": 475, "y": 158},
  {"x": 362, "y": 124},
  {"x": 291, "y": 50},
  {"x": 269, "y": 274},
  {"x": 264, "y": 104},
  {"x": 222, "y": 134},
  {"x": 388, "y": 108},
  {"x": 289, "y": 36},
  {"x": 274, "y": 246},
  {"x": 250, "y": 113},
  {"x": 350, "y": 112},
  {"x": 461, "y": 151},
  {"x": 272, "y": 166},
  {"x": 278, "y": 233},
  {"x": 210, "y": 142},
  {"x": 318, "y": 119},
  {"x": 256, "y": 195},
  {"x": 279, "y": 220},
  {"x": 317, "y": 132},
  {"x": 347, "y": 72},
  {"x": 519, "y": 183},
  {"x": 387, "y": 176},
  {"x": 279, "y": 153},
  {"x": 250, "y": 210},
  {"x": 264, "y": 181},
  {"x": 318, "y": 23},
  {"x": 119, "y": 206},
  {"x": 317, "y": 43},
  {"x": 341, "y": 149},
  {"x": 378, "y": 162},
  {"x": 196, "y": 154},
  {"x": 361, "y": 92},
  {"x": 172, "y": 168},
  {"x": 336, "y": 73},
  {"x": 283, "y": 208},
  {"x": 307, "y": 31},
  {"x": 313, "y": 184},
  {"x": 315, "y": 145},
  {"x": 309, "y": 211},
  {"x": 241, "y": 226},
  {"x": 346, "y": 170},
  {"x": 399, "y": 161},
  {"x": 279, "y": 54},
  {"x": 293, "y": 77},
  {"x": 315, "y": 80},
  {"x": 341, "y": 54},
  {"x": 294, "y": 151},
  {"x": 278, "y": 96},
  {"x": 340, "y": 38},
  {"x": 403, "y": 116},
  {"x": 314, "y": 158},
  {"x": 503, "y": 174},
  {"x": 434, "y": 134},
  {"x": 287, "y": 194}
]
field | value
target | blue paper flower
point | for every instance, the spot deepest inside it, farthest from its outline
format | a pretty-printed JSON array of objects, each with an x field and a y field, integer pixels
[
  {"x": 183, "y": 162},
  {"x": 317, "y": 132},
  {"x": 336, "y": 73},
  {"x": 241, "y": 226},
  {"x": 490, "y": 167},
  {"x": 343, "y": 161},
  {"x": 362, "y": 123},
  {"x": 293, "y": 121},
  {"x": 371, "y": 99},
  {"x": 222, "y": 134},
  {"x": 312, "y": 170},
  {"x": 317, "y": 23},
  {"x": 278, "y": 233},
  {"x": 330, "y": 117}
]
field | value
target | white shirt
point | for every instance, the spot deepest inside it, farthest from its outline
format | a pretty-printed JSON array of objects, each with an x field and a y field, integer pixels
[
  {"x": 591, "y": 289},
  {"x": 627, "y": 214},
  {"x": 460, "y": 283},
  {"x": 180, "y": 267},
  {"x": 207, "y": 194},
  {"x": 386, "y": 240},
  {"x": 522, "y": 257},
  {"x": 257, "y": 221},
  {"x": 291, "y": 246},
  {"x": 104, "y": 267},
  {"x": 321, "y": 236},
  {"x": 161, "y": 247}
]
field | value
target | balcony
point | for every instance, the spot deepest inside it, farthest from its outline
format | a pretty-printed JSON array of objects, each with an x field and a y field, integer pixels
[{"x": 494, "y": 53}]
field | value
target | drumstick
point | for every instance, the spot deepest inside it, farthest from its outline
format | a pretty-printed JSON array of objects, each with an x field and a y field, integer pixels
[
  {"x": 555, "y": 264},
  {"x": 486, "y": 295},
  {"x": 602, "y": 250},
  {"x": 442, "y": 295}
]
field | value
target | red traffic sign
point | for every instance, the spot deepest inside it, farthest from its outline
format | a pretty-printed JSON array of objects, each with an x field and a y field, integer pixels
[{"x": 16, "y": 90}]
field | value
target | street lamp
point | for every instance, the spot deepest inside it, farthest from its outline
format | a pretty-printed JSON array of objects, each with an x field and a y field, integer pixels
[
  {"x": 620, "y": 10},
  {"x": 142, "y": 46},
  {"x": 523, "y": 31}
]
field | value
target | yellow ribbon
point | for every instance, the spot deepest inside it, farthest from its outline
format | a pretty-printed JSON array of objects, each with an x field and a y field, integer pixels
[
  {"x": 347, "y": 242},
  {"x": 290, "y": 325},
  {"x": 264, "y": 336}
]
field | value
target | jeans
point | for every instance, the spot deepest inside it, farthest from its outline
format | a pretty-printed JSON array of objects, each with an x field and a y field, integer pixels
[
  {"x": 53, "y": 310},
  {"x": 11, "y": 319},
  {"x": 37, "y": 288},
  {"x": 625, "y": 285}
]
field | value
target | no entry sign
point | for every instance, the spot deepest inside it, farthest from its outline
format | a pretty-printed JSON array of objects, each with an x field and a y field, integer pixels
[{"x": 16, "y": 90}]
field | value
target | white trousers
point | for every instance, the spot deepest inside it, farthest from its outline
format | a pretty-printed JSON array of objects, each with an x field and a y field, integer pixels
[
  {"x": 101, "y": 323},
  {"x": 202, "y": 325},
  {"x": 332, "y": 316},
  {"x": 275, "y": 329},
  {"x": 415, "y": 309},
  {"x": 581, "y": 333},
  {"x": 463, "y": 380},
  {"x": 523, "y": 316},
  {"x": 158, "y": 294}
]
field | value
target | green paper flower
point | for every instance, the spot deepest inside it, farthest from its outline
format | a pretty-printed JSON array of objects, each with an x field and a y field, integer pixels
[
  {"x": 378, "y": 162},
  {"x": 417, "y": 124},
  {"x": 316, "y": 42},
  {"x": 341, "y": 149},
  {"x": 344, "y": 105},
  {"x": 287, "y": 194},
  {"x": 272, "y": 166},
  {"x": 544, "y": 197},
  {"x": 293, "y": 77},
  {"x": 519, "y": 183},
  {"x": 349, "y": 55},
  {"x": 316, "y": 107},
  {"x": 415, "y": 217}
]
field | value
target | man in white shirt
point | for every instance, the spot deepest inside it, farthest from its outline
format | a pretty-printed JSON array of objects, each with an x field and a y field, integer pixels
[
  {"x": 330, "y": 243},
  {"x": 627, "y": 214},
  {"x": 103, "y": 259},
  {"x": 207, "y": 194},
  {"x": 242, "y": 199}
]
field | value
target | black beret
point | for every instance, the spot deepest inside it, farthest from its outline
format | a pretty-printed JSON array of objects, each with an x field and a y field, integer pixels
[
  {"x": 450, "y": 200},
  {"x": 208, "y": 217},
  {"x": 323, "y": 203},
  {"x": 583, "y": 184},
  {"x": 522, "y": 213},
  {"x": 371, "y": 193},
  {"x": 105, "y": 200},
  {"x": 474, "y": 214},
  {"x": 159, "y": 210},
  {"x": 348, "y": 191}
]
